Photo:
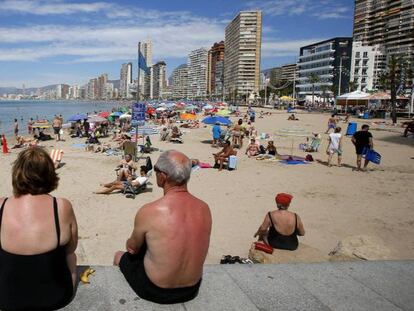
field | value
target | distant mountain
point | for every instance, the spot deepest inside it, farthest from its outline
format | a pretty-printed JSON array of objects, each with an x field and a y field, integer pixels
[{"x": 15, "y": 90}]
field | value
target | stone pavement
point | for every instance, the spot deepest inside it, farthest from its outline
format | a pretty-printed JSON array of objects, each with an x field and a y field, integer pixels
[{"x": 359, "y": 285}]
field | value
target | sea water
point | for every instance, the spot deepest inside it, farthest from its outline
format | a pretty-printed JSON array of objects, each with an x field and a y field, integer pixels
[{"x": 23, "y": 110}]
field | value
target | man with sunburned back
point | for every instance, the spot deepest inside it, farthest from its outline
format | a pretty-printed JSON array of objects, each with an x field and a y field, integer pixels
[{"x": 169, "y": 243}]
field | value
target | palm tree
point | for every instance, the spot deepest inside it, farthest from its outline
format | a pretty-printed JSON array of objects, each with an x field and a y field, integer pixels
[
  {"x": 353, "y": 85},
  {"x": 313, "y": 79},
  {"x": 392, "y": 78}
]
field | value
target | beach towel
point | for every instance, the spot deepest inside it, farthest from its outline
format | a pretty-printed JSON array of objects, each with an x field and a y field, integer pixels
[
  {"x": 78, "y": 145},
  {"x": 56, "y": 155},
  {"x": 293, "y": 162}
]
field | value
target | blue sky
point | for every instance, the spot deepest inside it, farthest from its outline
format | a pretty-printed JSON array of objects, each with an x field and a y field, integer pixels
[{"x": 70, "y": 41}]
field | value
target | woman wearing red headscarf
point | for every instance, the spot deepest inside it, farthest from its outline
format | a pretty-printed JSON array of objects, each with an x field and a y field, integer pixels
[{"x": 280, "y": 228}]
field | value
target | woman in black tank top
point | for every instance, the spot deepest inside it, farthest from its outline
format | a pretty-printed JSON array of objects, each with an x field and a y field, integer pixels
[
  {"x": 39, "y": 281},
  {"x": 269, "y": 233}
]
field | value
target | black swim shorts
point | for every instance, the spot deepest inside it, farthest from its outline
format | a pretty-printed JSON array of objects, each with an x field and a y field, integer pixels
[{"x": 132, "y": 267}]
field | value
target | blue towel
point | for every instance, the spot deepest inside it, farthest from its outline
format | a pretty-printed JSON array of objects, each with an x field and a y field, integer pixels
[
  {"x": 293, "y": 162},
  {"x": 78, "y": 145},
  {"x": 372, "y": 156}
]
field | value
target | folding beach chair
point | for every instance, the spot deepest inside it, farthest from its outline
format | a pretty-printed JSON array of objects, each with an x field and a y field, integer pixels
[
  {"x": 131, "y": 191},
  {"x": 56, "y": 155}
]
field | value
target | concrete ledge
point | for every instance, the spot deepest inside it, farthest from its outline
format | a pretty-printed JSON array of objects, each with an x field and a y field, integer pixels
[{"x": 378, "y": 285}]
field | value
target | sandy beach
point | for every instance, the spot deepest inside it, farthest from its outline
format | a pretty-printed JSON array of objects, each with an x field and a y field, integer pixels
[{"x": 334, "y": 203}]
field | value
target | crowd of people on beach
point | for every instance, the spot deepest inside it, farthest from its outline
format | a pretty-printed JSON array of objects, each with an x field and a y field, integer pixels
[{"x": 164, "y": 255}]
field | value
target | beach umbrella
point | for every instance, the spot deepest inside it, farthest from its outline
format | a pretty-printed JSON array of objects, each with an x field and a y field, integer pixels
[
  {"x": 286, "y": 98},
  {"x": 104, "y": 114},
  {"x": 125, "y": 116},
  {"x": 78, "y": 117},
  {"x": 208, "y": 107},
  {"x": 41, "y": 124},
  {"x": 161, "y": 109},
  {"x": 223, "y": 112},
  {"x": 116, "y": 114},
  {"x": 97, "y": 119},
  {"x": 292, "y": 133},
  {"x": 214, "y": 120},
  {"x": 188, "y": 116},
  {"x": 124, "y": 109}
]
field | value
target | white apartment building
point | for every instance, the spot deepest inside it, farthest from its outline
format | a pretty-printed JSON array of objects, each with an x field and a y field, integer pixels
[
  {"x": 197, "y": 65},
  {"x": 242, "y": 46},
  {"x": 125, "y": 80},
  {"x": 145, "y": 80},
  {"x": 74, "y": 92},
  {"x": 367, "y": 64},
  {"x": 180, "y": 82},
  {"x": 159, "y": 80}
]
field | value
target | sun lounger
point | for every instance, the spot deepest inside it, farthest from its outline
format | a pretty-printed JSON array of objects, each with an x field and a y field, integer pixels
[{"x": 56, "y": 156}]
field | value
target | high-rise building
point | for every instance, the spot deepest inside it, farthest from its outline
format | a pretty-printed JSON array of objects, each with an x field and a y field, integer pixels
[
  {"x": 74, "y": 92},
  {"x": 330, "y": 62},
  {"x": 125, "y": 80},
  {"x": 367, "y": 64},
  {"x": 159, "y": 80},
  {"x": 215, "y": 73},
  {"x": 180, "y": 82},
  {"x": 101, "y": 86},
  {"x": 146, "y": 79},
  {"x": 242, "y": 46},
  {"x": 197, "y": 64},
  {"x": 92, "y": 89},
  {"x": 388, "y": 23}
]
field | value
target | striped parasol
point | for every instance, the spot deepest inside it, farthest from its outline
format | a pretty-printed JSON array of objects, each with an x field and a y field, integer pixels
[{"x": 292, "y": 133}]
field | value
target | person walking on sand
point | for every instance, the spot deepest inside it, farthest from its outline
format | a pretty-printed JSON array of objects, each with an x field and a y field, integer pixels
[
  {"x": 30, "y": 126},
  {"x": 16, "y": 129},
  {"x": 335, "y": 146},
  {"x": 166, "y": 252},
  {"x": 362, "y": 140},
  {"x": 57, "y": 126},
  {"x": 332, "y": 121}
]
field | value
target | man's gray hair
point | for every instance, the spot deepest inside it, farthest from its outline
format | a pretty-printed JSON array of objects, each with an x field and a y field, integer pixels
[{"x": 178, "y": 172}]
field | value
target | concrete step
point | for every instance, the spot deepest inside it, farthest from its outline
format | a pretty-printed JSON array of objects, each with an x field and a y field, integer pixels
[{"x": 359, "y": 285}]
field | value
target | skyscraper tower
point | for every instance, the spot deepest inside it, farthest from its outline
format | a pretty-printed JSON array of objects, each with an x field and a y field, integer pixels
[
  {"x": 216, "y": 69},
  {"x": 388, "y": 23},
  {"x": 125, "y": 80},
  {"x": 242, "y": 45},
  {"x": 197, "y": 64},
  {"x": 146, "y": 79}
]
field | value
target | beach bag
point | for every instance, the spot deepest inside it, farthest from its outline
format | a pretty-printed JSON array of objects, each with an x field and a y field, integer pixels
[
  {"x": 263, "y": 247},
  {"x": 309, "y": 158},
  {"x": 232, "y": 162},
  {"x": 373, "y": 156}
]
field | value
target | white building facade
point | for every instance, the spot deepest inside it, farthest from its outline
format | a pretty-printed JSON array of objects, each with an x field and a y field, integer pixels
[
  {"x": 367, "y": 64},
  {"x": 197, "y": 65}
]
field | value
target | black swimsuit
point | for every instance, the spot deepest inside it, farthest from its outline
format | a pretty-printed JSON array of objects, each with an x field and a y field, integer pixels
[
  {"x": 35, "y": 282},
  {"x": 280, "y": 241}
]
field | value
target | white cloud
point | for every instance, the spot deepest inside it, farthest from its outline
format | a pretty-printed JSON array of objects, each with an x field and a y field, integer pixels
[
  {"x": 105, "y": 43},
  {"x": 310, "y": 8},
  {"x": 41, "y": 7}
]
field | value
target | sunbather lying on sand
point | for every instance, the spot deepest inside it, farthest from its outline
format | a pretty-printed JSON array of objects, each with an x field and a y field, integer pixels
[{"x": 120, "y": 185}]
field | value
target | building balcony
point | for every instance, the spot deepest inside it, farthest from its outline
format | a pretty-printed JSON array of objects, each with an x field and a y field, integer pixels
[
  {"x": 329, "y": 67},
  {"x": 330, "y": 58},
  {"x": 330, "y": 51}
]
